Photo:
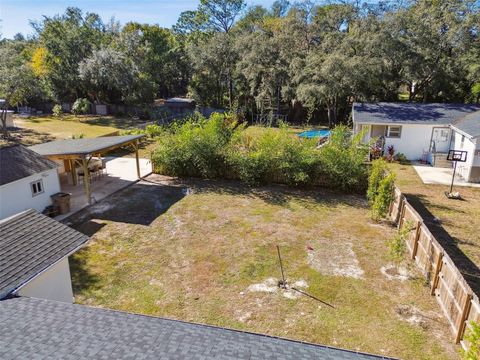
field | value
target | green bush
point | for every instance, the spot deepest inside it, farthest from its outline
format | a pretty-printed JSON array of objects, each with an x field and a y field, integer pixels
[
  {"x": 380, "y": 188},
  {"x": 81, "y": 106},
  {"x": 195, "y": 148},
  {"x": 343, "y": 160},
  {"x": 219, "y": 148},
  {"x": 473, "y": 339},
  {"x": 57, "y": 110},
  {"x": 384, "y": 197},
  {"x": 378, "y": 171},
  {"x": 397, "y": 244},
  {"x": 154, "y": 130},
  {"x": 274, "y": 156}
]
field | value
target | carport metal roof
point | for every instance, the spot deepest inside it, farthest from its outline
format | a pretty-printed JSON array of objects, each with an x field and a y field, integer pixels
[{"x": 82, "y": 147}]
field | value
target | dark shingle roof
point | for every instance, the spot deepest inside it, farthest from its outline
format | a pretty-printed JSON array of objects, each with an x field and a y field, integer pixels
[
  {"x": 82, "y": 146},
  {"x": 29, "y": 243},
  {"x": 410, "y": 113},
  {"x": 18, "y": 162},
  {"x": 469, "y": 124},
  {"x": 49, "y": 329}
]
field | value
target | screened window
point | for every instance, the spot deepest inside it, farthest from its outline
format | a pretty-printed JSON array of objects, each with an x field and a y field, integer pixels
[
  {"x": 393, "y": 131},
  {"x": 36, "y": 187}
]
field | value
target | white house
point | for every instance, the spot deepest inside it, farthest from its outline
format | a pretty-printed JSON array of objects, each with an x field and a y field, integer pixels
[
  {"x": 466, "y": 137},
  {"x": 35, "y": 250},
  {"x": 419, "y": 131},
  {"x": 27, "y": 180}
]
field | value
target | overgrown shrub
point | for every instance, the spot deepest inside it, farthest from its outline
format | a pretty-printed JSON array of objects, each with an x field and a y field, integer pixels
[
  {"x": 274, "y": 156},
  {"x": 195, "y": 148},
  {"x": 218, "y": 147},
  {"x": 472, "y": 337},
  {"x": 343, "y": 160},
  {"x": 154, "y": 130},
  {"x": 397, "y": 244},
  {"x": 384, "y": 197},
  {"x": 57, "y": 110},
  {"x": 380, "y": 189},
  {"x": 377, "y": 172},
  {"x": 81, "y": 106}
]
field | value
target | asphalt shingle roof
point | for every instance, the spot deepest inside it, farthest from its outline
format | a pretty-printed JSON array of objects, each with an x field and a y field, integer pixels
[
  {"x": 34, "y": 328},
  {"x": 410, "y": 113},
  {"x": 82, "y": 146},
  {"x": 29, "y": 243},
  {"x": 18, "y": 162},
  {"x": 469, "y": 124}
]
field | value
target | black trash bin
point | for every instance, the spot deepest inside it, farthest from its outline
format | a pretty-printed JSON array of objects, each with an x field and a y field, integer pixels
[{"x": 62, "y": 201}]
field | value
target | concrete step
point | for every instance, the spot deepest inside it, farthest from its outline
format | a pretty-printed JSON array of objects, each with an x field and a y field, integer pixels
[{"x": 441, "y": 160}]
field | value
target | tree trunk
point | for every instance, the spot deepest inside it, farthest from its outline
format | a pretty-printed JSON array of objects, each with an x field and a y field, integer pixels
[
  {"x": 3, "y": 117},
  {"x": 230, "y": 91}
]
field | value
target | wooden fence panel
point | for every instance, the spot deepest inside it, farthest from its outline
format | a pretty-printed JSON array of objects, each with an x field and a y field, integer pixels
[
  {"x": 395, "y": 206},
  {"x": 454, "y": 295},
  {"x": 428, "y": 254},
  {"x": 411, "y": 219}
]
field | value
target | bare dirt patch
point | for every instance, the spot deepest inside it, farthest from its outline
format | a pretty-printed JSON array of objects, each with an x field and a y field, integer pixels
[
  {"x": 337, "y": 259},
  {"x": 271, "y": 285},
  {"x": 396, "y": 272}
]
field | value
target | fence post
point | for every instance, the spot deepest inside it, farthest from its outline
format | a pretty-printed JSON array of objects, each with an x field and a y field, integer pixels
[
  {"x": 463, "y": 317},
  {"x": 402, "y": 212},
  {"x": 390, "y": 208},
  {"x": 436, "y": 275},
  {"x": 417, "y": 237}
]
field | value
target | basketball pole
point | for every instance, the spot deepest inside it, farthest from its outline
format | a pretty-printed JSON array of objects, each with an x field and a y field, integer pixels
[{"x": 453, "y": 176}]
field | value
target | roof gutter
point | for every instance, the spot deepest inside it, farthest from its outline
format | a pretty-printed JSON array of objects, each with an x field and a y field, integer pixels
[{"x": 462, "y": 132}]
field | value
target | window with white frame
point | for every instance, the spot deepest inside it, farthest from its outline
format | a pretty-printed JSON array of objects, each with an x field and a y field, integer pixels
[
  {"x": 393, "y": 131},
  {"x": 36, "y": 187}
]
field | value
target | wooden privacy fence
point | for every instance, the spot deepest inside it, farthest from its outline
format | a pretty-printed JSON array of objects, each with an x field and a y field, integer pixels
[{"x": 457, "y": 300}]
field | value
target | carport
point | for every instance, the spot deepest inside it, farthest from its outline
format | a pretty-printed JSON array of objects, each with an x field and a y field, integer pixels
[{"x": 79, "y": 152}]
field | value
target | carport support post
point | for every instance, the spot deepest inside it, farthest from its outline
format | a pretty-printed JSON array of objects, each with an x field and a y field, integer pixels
[
  {"x": 135, "y": 146},
  {"x": 86, "y": 179}
]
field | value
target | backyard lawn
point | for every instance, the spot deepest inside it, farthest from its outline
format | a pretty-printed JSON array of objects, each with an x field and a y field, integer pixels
[
  {"x": 455, "y": 223},
  {"x": 205, "y": 251}
]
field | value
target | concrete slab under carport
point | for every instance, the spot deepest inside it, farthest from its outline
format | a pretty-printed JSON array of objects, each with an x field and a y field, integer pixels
[
  {"x": 121, "y": 172},
  {"x": 440, "y": 176}
]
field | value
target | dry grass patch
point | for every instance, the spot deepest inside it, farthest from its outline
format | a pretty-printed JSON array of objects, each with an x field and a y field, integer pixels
[
  {"x": 206, "y": 251},
  {"x": 454, "y": 223}
]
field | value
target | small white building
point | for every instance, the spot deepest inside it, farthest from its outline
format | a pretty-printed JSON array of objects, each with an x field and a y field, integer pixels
[
  {"x": 35, "y": 251},
  {"x": 466, "y": 137},
  {"x": 419, "y": 131},
  {"x": 27, "y": 180}
]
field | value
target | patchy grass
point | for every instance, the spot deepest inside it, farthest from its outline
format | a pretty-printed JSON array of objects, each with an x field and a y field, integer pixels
[
  {"x": 26, "y": 137},
  {"x": 69, "y": 125},
  {"x": 193, "y": 250},
  {"x": 455, "y": 223}
]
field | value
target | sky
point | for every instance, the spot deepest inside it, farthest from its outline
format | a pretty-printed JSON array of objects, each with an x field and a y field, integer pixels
[{"x": 16, "y": 14}]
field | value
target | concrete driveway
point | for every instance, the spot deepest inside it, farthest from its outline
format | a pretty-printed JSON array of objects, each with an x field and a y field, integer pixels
[{"x": 440, "y": 176}]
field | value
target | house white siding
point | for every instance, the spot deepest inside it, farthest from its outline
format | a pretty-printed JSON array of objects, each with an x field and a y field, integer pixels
[
  {"x": 53, "y": 284},
  {"x": 469, "y": 170},
  {"x": 17, "y": 196},
  {"x": 413, "y": 141}
]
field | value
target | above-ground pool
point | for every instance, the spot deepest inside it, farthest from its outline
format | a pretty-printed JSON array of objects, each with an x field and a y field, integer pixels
[{"x": 314, "y": 133}]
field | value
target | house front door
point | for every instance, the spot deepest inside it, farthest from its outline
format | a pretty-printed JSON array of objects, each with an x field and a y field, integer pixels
[{"x": 441, "y": 138}]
